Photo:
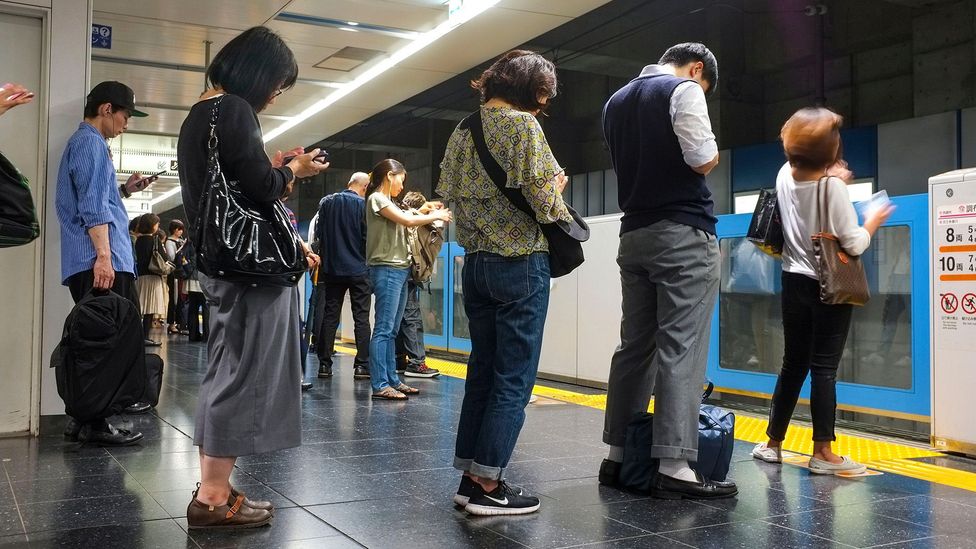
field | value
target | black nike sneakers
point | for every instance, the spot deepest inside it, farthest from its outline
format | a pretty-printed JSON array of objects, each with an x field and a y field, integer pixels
[{"x": 503, "y": 500}]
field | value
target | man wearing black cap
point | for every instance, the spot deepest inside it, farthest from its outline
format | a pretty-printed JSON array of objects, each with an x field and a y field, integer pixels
[{"x": 95, "y": 248}]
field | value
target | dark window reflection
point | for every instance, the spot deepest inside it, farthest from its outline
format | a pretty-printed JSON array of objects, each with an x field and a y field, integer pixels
[
  {"x": 432, "y": 302},
  {"x": 878, "y": 349}
]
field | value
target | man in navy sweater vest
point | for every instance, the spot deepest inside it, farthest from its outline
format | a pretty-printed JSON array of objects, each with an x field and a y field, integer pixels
[{"x": 662, "y": 147}]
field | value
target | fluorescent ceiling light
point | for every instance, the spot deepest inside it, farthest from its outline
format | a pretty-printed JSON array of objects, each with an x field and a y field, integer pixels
[
  {"x": 471, "y": 9},
  {"x": 164, "y": 196},
  {"x": 347, "y": 29},
  {"x": 352, "y": 23}
]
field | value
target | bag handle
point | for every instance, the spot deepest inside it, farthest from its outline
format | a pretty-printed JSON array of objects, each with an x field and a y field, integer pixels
[
  {"x": 708, "y": 391},
  {"x": 214, "y": 114},
  {"x": 823, "y": 210},
  {"x": 474, "y": 124}
]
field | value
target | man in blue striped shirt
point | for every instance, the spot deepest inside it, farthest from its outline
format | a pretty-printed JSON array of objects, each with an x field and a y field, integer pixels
[{"x": 95, "y": 248}]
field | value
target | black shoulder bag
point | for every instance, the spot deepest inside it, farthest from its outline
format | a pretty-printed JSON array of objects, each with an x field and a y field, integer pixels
[
  {"x": 18, "y": 220},
  {"x": 564, "y": 238},
  {"x": 766, "y": 227},
  {"x": 239, "y": 240}
]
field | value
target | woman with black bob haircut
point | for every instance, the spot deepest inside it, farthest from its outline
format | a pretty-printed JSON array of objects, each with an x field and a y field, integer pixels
[
  {"x": 506, "y": 271},
  {"x": 250, "y": 398}
]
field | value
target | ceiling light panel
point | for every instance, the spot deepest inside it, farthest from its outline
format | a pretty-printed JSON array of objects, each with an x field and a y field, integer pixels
[
  {"x": 382, "y": 13},
  {"x": 302, "y": 19}
]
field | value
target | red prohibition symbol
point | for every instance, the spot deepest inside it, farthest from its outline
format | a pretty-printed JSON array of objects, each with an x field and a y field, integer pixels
[
  {"x": 969, "y": 304},
  {"x": 950, "y": 303}
]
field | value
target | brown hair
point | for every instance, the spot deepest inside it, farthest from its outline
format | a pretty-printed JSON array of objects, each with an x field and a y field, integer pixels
[
  {"x": 811, "y": 138},
  {"x": 146, "y": 223},
  {"x": 519, "y": 77},
  {"x": 378, "y": 175},
  {"x": 414, "y": 199}
]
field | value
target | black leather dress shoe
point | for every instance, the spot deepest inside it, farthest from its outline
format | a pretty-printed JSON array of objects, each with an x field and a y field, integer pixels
[
  {"x": 71, "y": 429},
  {"x": 360, "y": 373},
  {"x": 666, "y": 487},
  {"x": 107, "y": 434},
  {"x": 137, "y": 408},
  {"x": 610, "y": 473},
  {"x": 325, "y": 371},
  {"x": 306, "y": 385}
]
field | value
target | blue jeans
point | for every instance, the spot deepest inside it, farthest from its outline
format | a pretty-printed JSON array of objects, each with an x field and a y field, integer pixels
[
  {"x": 506, "y": 300},
  {"x": 390, "y": 288}
]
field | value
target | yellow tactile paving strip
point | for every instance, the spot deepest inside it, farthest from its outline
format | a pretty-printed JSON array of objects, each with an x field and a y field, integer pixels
[{"x": 881, "y": 455}]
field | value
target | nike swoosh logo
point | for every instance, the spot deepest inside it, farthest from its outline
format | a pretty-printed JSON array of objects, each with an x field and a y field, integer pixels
[{"x": 498, "y": 501}]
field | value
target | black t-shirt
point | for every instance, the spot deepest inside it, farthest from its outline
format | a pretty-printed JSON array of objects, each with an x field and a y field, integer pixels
[{"x": 241, "y": 150}]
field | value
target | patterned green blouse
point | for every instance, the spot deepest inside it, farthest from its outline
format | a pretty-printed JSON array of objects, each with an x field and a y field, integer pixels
[{"x": 485, "y": 221}]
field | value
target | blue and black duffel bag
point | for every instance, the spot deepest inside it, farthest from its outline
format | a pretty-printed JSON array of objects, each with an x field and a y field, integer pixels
[{"x": 716, "y": 439}]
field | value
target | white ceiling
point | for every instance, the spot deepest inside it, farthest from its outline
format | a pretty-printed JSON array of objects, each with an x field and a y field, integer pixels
[{"x": 158, "y": 49}]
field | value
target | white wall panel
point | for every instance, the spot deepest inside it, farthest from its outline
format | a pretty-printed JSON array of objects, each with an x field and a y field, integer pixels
[
  {"x": 559, "y": 348},
  {"x": 599, "y": 300}
]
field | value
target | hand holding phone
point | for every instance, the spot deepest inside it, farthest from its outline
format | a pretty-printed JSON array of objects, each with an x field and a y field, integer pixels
[
  {"x": 12, "y": 95},
  {"x": 321, "y": 158}
]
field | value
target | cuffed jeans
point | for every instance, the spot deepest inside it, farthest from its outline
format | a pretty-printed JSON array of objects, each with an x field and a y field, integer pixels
[
  {"x": 669, "y": 276},
  {"x": 815, "y": 335},
  {"x": 390, "y": 288},
  {"x": 410, "y": 338},
  {"x": 506, "y": 300}
]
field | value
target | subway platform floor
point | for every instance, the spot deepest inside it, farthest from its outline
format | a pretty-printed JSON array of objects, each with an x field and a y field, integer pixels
[{"x": 378, "y": 474}]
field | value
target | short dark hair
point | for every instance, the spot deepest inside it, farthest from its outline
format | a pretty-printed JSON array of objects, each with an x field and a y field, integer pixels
[
  {"x": 176, "y": 225},
  {"x": 378, "y": 175},
  {"x": 519, "y": 77},
  {"x": 133, "y": 224},
  {"x": 91, "y": 108},
  {"x": 254, "y": 65},
  {"x": 147, "y": 222},
  {"x": 692, "y": 52},
  {"x": 811, "y": 138}
]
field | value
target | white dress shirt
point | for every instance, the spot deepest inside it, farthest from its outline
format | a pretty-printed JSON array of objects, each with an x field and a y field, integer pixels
[{"x": 689, "y": 116}]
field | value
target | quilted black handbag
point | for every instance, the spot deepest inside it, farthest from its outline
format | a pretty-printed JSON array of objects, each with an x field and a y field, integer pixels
[
  {"x": 239, "y": 240},
  {"x": 18, "y": 220}
]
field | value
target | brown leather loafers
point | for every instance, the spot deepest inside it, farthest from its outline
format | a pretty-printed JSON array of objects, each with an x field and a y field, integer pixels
[
  {"x": 263, "y": 505},
  {"x": 232, "y": 515}
]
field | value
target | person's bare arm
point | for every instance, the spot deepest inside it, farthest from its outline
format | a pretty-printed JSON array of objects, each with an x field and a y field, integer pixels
[
  {"x": 104, "y": 271},
  {"x": 705, "y": 169},
  {"x": 410, "y": 220}
]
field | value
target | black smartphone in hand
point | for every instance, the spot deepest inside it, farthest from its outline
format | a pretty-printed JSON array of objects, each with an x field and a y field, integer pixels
[{"x": 321, "y": 158}]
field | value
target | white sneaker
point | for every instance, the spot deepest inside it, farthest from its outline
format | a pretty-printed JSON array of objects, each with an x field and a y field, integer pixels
[
  {"x": 848, "y": 466},
  {"x": 533, "y": 398},
  {"x": 767, "y": 454}
]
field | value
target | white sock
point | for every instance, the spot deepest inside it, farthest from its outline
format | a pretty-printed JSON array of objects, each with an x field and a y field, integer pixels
[
  {"x": 616, "y": 454},
  {"x": 677, "y": 468}
]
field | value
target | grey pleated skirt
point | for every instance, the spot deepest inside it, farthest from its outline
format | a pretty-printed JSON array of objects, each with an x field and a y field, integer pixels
[{"x": 250, "y": 399}]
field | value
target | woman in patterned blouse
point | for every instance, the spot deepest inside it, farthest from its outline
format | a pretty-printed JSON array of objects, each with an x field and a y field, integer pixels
[{"x": 506, "y": 272}]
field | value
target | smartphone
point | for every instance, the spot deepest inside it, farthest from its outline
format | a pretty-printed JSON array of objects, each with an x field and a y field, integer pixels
[
  {"x": 321, "y": 158},
  {"x": 20, "y": 95},
  {"x": 157, "y": 174}
]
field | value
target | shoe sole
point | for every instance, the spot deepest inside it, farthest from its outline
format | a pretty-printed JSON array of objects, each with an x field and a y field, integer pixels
[
  {"x": 659, "y": 494},
  {"x": 461, "y": 501},
  {"x": 491, "y": 511},
  {"x": 761, "y": 458},
  {"x": 857, "y": 471},
  {"x": 428, "y": 376},
  {"x": 234, "y": 526},
  {"x": 361, "y": 377},
  {"x": 323, "y": 376},
  {"x": 110, "y": 444}
]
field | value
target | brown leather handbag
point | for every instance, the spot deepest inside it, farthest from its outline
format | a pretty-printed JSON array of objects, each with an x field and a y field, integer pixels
[{"x": 842, "y": 278}]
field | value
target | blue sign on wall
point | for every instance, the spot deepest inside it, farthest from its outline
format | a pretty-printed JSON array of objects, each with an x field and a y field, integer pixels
[{"x": 101, "y": 36}]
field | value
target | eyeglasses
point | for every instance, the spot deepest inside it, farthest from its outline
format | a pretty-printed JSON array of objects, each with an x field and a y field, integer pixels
[{"x": 277, "y": 93}]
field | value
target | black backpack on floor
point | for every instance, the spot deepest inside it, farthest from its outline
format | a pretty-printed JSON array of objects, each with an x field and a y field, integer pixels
[
  {"x": 18, "y": 220},
  {"x": 100, "y": 363}
]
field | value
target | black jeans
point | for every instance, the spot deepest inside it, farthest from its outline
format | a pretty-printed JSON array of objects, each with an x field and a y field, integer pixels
[
  {"x": 197, "y": 302},
  {"x": 815, "y": 335},
  {"x": 329, "y": 308},
  {"x": 410, "y": 337}
]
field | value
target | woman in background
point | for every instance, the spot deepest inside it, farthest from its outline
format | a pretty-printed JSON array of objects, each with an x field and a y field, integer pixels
[
  {"x": 815, "y": 333},
  {"x": 388, "y": 257},
  {"x": 149, "y": 285}
]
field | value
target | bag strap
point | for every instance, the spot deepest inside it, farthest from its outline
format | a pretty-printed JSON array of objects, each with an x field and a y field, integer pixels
[
  {"x": 214, "y": 114},
  {"x": 823, "y": 211},
  {"x": 475, "y": 125}
]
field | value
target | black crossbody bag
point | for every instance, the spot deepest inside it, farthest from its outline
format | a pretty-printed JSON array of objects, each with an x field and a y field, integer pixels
[{"x": 565, "y": 239}]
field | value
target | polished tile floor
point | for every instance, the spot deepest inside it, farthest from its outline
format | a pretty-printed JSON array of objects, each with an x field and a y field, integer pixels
[{"x": 378, "y": 475}]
